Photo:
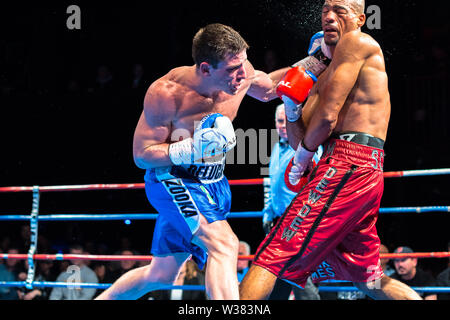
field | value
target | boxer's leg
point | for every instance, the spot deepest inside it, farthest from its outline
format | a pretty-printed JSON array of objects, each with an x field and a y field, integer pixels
[
  {"x": 257, "y": 284},
  {"x": 222, "y": 246},
  {"x": 388, "y": 289},
  {"x": 162, "y": 271}
]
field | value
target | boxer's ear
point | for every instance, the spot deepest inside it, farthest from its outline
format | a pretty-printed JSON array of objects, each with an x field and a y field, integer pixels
[
  {"x": 361, "y": 20},
  {"x": 205, "y": 69}
]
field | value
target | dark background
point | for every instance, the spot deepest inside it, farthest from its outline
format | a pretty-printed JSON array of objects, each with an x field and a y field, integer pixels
[{"x": 59, "y": 126}]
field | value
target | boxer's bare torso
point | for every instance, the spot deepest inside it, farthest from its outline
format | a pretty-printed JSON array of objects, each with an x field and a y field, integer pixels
[
  {"x": 175, "y": 102},
  {"x": 367, "y": 106}
]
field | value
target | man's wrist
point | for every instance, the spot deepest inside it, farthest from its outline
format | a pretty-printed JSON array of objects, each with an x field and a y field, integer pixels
[
  {"x": 292, "y": 110},
  {"x": 302, "y": 143},
  {"x": 181, "y": 152}
]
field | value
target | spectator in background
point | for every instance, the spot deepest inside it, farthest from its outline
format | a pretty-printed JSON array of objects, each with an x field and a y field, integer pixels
[
  {"x": 243, "y": 265},
  {"x": 16, "y": 266},
  {"x": 409, "y": 273},
  {"x": 43, "y": 273},
  {"x": 190, "y": 274},
  {"x": 7, "y": 293},
  {"x": 387, "y": 269},
  {"x": 443, "y": 280},
  {"x": 124, "y": 265},
  {"x": 104, "y": 274},
  {"x": 78, "y": 272},
  {"x": 193, "y": 276}
]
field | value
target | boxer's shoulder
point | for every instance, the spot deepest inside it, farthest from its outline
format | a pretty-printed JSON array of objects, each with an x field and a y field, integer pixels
[
  {"x": 168, "y": 89},
  {"x": 359, "y": 43},
  {"x": 161, "y": 89},
  {"x": 159, "y": 100}
]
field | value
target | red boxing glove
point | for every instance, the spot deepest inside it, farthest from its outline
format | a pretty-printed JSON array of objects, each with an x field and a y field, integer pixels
[
  {"x": 296, "y": 84},
  {"x": 303, "y": 180}
]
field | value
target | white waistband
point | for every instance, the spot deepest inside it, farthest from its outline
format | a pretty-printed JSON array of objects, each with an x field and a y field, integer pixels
[{"x": 204, "y": 173}]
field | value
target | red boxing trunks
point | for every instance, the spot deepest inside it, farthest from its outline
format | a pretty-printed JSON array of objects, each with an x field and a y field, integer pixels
[{"x": 328, "y": 231}]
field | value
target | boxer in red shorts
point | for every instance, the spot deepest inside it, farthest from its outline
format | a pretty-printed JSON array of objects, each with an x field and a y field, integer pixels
[
  {"x": 328, "y": 231},
  {"x": 330, "y": 226}
]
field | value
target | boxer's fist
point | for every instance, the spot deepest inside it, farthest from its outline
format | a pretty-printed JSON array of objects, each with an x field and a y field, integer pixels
[
  {"x": 300, "y": 164},
  {"x": 316, "y": 44},
  {"x": 296, "y": 84},
  {"x": 291, "y": 174},
  {"x": 301, "y": 182},
  {"x": 213, "y": 137}
]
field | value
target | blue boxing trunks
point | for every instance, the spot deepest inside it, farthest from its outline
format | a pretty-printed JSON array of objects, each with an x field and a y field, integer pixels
[{"x": 180, "y": 194}]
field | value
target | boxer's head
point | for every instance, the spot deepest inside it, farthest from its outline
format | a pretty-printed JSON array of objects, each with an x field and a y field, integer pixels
[
  {"x": 340, "y": 17},
  {"x": 220, "y": 54}
]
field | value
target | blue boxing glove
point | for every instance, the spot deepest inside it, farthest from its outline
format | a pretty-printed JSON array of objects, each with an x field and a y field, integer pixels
[
  {"x": 213, "y": 137},
  {"x": 319, "y": 55},
  {"x": 316, "y": 44}
]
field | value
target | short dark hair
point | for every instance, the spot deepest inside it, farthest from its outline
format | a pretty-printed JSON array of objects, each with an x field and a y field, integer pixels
[{"x": 214, "y": 42}]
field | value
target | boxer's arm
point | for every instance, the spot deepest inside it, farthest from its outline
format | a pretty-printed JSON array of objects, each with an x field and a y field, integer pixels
[
  {"x": 295, "y": 132},
  {"x": 150, "y": 147},
  {"x": 263, "y": 86},
  {"x": 349, "y": 56}
]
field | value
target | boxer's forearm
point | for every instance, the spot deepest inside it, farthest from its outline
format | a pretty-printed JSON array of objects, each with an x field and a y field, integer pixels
[
  {"x": 320, "y": 128},
  {"x": 264, "y": 85},
  {"x": 262, "y": 88},
  {"x": 277, "y": 75},
  {"x": 153, "y": 156},
  {"x": 295, "y": 132}
]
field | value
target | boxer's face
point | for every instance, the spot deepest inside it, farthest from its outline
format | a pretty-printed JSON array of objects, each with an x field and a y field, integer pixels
[
  {"x": 231, "y": 73},
  {"x": 338, "y": 18}
]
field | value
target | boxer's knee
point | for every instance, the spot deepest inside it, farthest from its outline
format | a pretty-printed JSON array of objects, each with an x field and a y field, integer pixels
[
  {"x": 225, "y": 244},
  {"x": 257, "y": 284},
  {"x": 219, "y": 239},
  {"x": 164, "y": 270}
]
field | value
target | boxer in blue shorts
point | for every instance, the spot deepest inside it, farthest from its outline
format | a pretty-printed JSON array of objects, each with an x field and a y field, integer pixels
[
  {"x": 181, "y": 140},
  {"x": 182, "y": 193}
]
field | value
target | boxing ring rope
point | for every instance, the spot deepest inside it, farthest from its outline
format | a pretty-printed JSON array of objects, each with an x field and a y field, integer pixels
[
  {"x": 153, "y": 216},
  {"x": 34, "y": 217},
  {"x": 95, "y": 257},
  {"x": 241, "y": 182},
  {"x": 102, "y": 286}
]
